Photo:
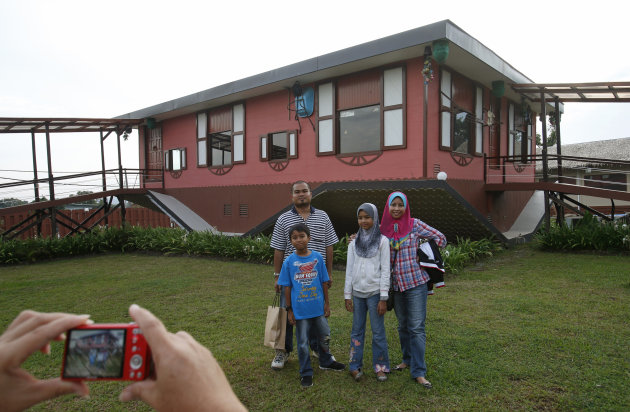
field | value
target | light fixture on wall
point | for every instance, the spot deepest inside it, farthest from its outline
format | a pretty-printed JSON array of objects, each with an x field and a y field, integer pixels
[
  {"x": 440, "y": 50},
  {"x": 498, "y": 88},
  {"x": 442, "y": 176}
]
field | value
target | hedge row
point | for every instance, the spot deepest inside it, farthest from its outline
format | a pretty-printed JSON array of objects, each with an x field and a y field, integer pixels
[{"x": 168, "y": 241}]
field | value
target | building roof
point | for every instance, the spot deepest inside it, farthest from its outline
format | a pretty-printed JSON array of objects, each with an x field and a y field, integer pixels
[
  {"x": 599, "y": 92},
  {"x": 604, "y": 153},
  {"x": 615, "y": 149},
  {"x": 466, "y": 55},
  {"x": 65, "y": 125}
]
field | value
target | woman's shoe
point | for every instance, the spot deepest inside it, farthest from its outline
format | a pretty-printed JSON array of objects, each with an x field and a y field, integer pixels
[
  {"x": 422, "y": 381},
  {"x": 400, "y": 367},
  {"x": 356, "y": 374},
  {"x": 381, "y": 376}
]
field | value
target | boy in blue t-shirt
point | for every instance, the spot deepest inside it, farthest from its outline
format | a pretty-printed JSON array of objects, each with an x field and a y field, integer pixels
[{"x": 304, "y": 276}]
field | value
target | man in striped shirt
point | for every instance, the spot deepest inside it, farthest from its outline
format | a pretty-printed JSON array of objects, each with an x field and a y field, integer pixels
[{"x": 323, "y": 237}]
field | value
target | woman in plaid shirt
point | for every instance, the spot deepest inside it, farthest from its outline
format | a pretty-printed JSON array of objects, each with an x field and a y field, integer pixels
[{"x": 410, "y": 281}]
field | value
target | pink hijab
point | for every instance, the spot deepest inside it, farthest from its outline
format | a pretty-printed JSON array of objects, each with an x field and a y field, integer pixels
[{"x": 396, "y": 230}]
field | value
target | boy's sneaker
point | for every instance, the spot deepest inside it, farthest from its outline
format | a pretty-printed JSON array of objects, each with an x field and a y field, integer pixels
[
  {"x": 335, "y": 366},
  {"x": 306, "y": 381},
  {"x": 279, "y": 360}
]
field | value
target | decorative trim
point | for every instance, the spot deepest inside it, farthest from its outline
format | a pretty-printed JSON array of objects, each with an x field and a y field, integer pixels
[
  {"x": 519, "y": 167},
  {"x": 221, "y": 170},
  {"x": 278, "y": 165},
  {"x": 462, "y": 159},
  {"x": 359, "y": 159},
  {"x": 176, "y": 174}
]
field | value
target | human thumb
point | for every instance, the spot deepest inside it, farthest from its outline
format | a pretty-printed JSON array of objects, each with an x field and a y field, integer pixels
[
  {"x": 137, "y": 391},
  {"x": 51, "y": 388}
]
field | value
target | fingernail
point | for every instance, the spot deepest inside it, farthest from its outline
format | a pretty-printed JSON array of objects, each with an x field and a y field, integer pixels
[
  {"x": 89, "y": 322},
  {"x": 134, "y": 306}
]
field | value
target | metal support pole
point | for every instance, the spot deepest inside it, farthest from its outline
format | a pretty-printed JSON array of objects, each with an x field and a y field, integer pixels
[
  {"x": 103, "y": 163},
  {"x": 543, "y": 119},
  {"x": 558, "y": 142},
  {"x": 120, "y": 171},
  {"x": 35, "y": 183},
  {"x": 123, "y": 212},
  {"x": 425, "y": 128},
  {"x": 51, "y": 185},
  {"x": 428, "y": 52},
  {"x": 559, "y": 153}
]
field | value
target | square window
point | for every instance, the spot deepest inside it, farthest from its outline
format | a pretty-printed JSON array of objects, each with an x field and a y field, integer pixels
[
  {"x": 462, "y": 132},
  {"x": 279, "y": 146},
  {"x": 360, "y": 130},
  {"x": 221, "y": 148}
]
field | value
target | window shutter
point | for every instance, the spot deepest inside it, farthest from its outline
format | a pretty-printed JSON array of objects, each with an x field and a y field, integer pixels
[
  {"x": 445, "y": 95},
  {"x": 263, "y": 148},
  {"x": 292, "y": 145},
  {"x": 479, "y": 120}
]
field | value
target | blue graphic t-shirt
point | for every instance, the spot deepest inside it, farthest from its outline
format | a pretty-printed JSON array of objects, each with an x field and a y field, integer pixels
[{"x": 305, "y": 275}]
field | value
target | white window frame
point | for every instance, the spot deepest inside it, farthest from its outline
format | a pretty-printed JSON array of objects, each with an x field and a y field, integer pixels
[{"x": 175, "y": 159}]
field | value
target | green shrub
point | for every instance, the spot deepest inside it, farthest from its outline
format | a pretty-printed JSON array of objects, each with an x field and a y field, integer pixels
[
  {"x": 466, "y": 251},
  {"x": 587, "y": 234},
  {"x": 175, "y": 241}
]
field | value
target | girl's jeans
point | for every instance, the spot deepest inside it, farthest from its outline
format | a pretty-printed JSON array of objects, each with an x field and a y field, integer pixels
[{"x": 380, "y": 355}]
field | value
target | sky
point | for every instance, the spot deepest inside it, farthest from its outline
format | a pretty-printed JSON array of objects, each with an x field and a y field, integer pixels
[{"x": 78, "y": 58}]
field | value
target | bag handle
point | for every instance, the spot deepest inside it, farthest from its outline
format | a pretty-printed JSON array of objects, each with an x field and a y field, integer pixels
[
  {"x": 391, "y": 270},
  {"x": 276, "y": 300}
]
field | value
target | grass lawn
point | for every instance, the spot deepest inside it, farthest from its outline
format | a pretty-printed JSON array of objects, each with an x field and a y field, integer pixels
[{"x": 526, "y": 330}]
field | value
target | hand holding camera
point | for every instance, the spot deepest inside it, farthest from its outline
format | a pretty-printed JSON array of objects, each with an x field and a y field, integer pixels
[
  {"x": 107, "y": 351},
  {"x": 29, "y": 332},
  {"x": 185, "y": 377}
]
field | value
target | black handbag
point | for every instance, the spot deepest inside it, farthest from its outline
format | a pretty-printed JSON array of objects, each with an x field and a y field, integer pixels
[{"x": 390, "y": 297}]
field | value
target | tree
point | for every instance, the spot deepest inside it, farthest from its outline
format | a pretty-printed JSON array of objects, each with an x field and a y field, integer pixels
[
  {"x": 90, "y": 202},
  {"x": 11, "y": 202}
]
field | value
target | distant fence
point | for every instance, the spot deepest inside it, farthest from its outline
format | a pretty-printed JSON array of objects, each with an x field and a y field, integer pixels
[{"x": 134, "y": 216}]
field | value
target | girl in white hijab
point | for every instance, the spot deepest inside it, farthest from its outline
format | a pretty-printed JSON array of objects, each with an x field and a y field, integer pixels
[{"x": 366, "y": 291}]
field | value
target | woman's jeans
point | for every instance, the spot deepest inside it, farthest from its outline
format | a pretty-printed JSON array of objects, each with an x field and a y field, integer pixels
[
  {"x": 411, "y": 311},
  {"x": 303, "y": 329},
  {"x": 380, "y": 356}
]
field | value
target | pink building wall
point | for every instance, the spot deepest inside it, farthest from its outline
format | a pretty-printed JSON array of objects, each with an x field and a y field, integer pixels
[{"x": 268, "y": 113}]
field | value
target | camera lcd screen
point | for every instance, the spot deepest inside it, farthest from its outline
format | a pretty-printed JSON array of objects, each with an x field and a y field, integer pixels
[{"x": 95, "y": 353}]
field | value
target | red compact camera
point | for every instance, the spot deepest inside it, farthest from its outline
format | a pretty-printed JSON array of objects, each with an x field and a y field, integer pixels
[{"x": 106, "y": 351}]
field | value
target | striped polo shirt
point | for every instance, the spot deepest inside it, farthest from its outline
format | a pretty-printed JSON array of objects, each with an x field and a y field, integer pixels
[{"x": 322, "y": 231}]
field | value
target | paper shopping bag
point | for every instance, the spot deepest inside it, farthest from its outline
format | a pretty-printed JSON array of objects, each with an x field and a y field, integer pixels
[{"x": 276, "y": 325}]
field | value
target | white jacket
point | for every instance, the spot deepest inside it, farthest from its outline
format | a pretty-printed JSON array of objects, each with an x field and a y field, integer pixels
[{"x": 368, "y": 275}]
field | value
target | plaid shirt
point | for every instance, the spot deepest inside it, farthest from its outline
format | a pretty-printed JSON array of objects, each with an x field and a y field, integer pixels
[{"x": 407, "y": 272}]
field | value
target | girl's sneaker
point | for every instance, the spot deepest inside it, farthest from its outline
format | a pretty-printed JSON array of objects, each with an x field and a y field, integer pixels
[{"x": 356, "y": 374}]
